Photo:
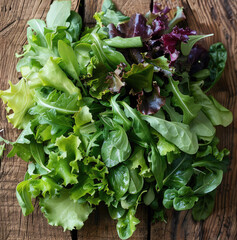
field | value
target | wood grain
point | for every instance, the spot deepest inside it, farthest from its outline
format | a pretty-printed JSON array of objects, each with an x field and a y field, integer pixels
[{"x": 205, "y": 16}]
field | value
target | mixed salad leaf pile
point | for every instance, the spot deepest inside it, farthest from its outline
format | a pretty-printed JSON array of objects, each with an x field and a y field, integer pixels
[{"x": 116, "y": 113}]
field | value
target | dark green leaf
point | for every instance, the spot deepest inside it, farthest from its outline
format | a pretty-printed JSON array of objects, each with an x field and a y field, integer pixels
[{"x": 119, "y": 180}]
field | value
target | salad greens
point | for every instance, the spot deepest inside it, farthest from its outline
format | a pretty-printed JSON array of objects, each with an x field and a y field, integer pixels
[{"x": 122, "y": 127}]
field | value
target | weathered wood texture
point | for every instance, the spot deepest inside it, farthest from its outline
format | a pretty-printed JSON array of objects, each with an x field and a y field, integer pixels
[{"x": 206, "y": 16}]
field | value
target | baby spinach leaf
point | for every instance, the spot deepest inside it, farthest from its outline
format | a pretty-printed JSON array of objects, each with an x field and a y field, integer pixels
[
  {"x": 184, "y": 203},
  {"x": 136, "y": 181},
  {"x": 177, "y": 133},
  {"x": 203, "y": 127},
  {"x": 116, "y": 212},
  {"x": 119, "y": 115},
  {"x": 149, "y": 196},
  {"x": 179, "y": 172},
  {"x": 116, "y": 147},
  {"x": 119, "y": 179},
  {"x": 131, "y": 200},
  {"x": 169, "y": 196},
  {"x": 218, "y": 114},
  {"x": 183, "y": 199},
  {"x": 204, "y": 207},
  {"x": 218, "y": 57},
  {"x": 208, "y": 181}
]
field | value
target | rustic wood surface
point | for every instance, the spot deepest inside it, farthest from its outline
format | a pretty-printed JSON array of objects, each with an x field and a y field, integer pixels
[{"x": 206, "y": 16}]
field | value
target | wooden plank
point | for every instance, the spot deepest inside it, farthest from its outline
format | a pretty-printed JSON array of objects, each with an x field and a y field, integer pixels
[
  {"x": 218, "y": 17},
  {"x": 14, "y": 16}
]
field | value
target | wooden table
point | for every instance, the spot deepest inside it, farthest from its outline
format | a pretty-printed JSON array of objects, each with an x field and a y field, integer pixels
[{"x": 206, "y": 16}]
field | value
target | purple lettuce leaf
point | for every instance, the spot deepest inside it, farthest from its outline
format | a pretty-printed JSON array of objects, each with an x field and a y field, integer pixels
[
  {"x": 198, "y": 59},
  {"x": 136, "y": 26},
  {"x": 171, "y": 40},
  {"x": 150, "y": 103},
  {"x": 114, "y": 79}
]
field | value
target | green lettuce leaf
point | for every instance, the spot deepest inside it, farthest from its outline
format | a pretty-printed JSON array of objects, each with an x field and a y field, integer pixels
[
  {"x": 218, "y": 114},
  {"x": 177, "y": 133},
  {"x": 140, "y": 77},
  {"x": 61, "y": 169},
  {"x": 185, "y": 102},
  {"x": 58, "y": 14},
  {"x": 19, "y": 98},
  {"x": 127, "y": 224},
  {"x": 53, "y": 76},
  {"x": 116, "y": 147},
  {"x": 69, "y": 149},
  {"x": 62, "y": 211},
  {"x": 61, "y": 102}
]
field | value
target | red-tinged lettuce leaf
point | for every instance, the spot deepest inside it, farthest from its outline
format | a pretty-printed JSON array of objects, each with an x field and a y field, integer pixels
[
  {"x": 115, "y": 78},
  {"x": 198, "y": 58},
  {"x": 171, "y": 40},
  {"x": 150, "y": 103},
  {"x": 136, "y": 26},
  {"x": 98, "y": 84},
  {"x": 62, "y": 211},
  {"x": 113, "y": 31},
  {"x": 158, "y": 19},
  {"x": 140, "y": 77},
  {"x": 161, "y": 64}
]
